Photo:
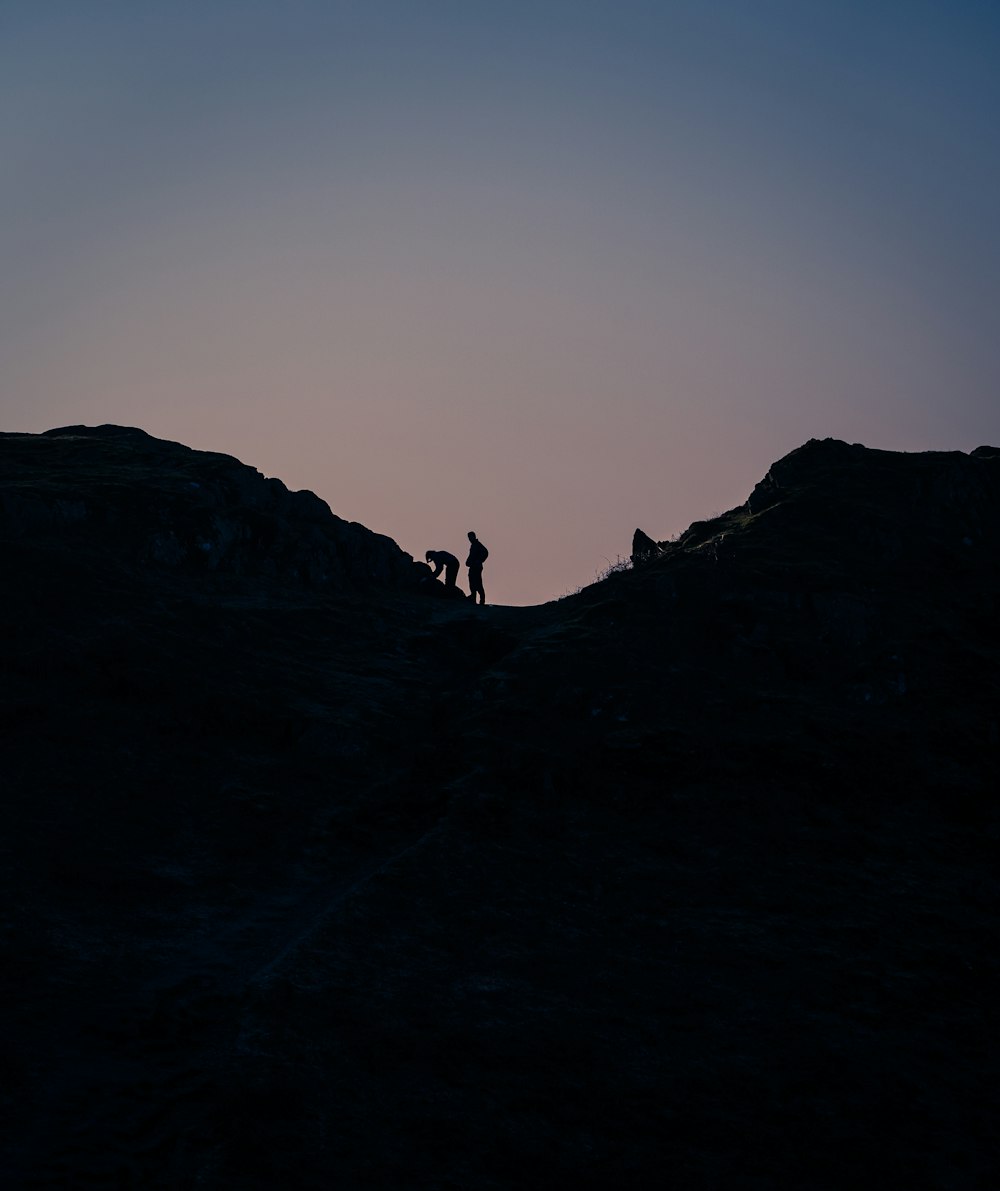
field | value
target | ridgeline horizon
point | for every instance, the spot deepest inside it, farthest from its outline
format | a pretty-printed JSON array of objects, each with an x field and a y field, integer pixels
[{"x": 238, "y": 489}]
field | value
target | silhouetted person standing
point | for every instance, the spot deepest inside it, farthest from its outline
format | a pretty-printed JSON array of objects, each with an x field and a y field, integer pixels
[
  {"x": 478, "y": 554},
  {"x": 443, "y": 560}
]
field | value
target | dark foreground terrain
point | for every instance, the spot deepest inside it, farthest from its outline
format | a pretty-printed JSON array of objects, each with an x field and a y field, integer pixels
[{"x": 316, "y": 879}]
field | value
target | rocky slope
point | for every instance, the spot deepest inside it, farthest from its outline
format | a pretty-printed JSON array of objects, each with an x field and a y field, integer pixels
[
  {"x": 119, "y": 492},
  {"x": 313, "y": 880}
]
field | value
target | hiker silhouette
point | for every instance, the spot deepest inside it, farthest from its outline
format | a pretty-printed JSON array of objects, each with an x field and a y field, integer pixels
[
  {"x": 443, "y": 560},
  {"x": 478, "y": 554}
]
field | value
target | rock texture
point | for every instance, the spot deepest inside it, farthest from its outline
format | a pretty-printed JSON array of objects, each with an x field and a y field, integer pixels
[
  {"x": 144, "y": 502},
  {"x": 690, "y": 877}
]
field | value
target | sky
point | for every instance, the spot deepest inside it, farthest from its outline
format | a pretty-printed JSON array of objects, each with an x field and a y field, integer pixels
[{"x": 548, "y": 271}]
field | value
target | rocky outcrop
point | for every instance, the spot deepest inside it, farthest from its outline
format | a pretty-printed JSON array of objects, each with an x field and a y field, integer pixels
[
  {"x": 845, "y": 513},
  {"x": 155, "y": 504},
  {"x": 643, "y": 548},
  {"x": 869, "y": 501}
]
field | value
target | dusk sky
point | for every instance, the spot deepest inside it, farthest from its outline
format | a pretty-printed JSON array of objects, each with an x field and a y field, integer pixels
[{"x": 547, "y": 271}]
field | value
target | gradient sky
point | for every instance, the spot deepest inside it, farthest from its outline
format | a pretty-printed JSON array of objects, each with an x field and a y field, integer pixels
[{"x": 544, "y": 270}]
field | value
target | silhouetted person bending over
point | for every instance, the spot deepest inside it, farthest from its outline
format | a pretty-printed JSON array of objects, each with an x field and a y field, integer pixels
[
  {"x": 478, "y": 554},
  {"x": 443, "y": 560}
]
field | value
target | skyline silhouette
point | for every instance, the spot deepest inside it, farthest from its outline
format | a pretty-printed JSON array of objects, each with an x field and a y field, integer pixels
[{"x": 553, "y": 271}]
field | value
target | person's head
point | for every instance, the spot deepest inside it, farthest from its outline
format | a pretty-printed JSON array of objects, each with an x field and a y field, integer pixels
[{"x": 472, "y": 536}]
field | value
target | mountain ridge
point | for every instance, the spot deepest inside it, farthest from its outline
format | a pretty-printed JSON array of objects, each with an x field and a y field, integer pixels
[
  {"x": 327, "y": 879},
  {"x": 230, "y": 518}
]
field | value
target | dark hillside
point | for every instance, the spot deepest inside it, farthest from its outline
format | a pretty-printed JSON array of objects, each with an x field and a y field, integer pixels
[
  {"x": 116, "y": 493},
  {"x": 313, "y": 880}
]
